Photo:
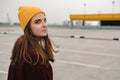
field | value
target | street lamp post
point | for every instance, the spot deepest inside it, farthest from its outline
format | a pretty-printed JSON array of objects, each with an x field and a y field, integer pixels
[
  {"x": 84, "y": 8},
  {"x": 113, "y": 2},
  {"x": 84, "y": 14}
]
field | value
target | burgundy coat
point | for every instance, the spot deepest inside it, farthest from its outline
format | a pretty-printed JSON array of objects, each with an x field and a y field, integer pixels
[{"x": 26, "y": 71}]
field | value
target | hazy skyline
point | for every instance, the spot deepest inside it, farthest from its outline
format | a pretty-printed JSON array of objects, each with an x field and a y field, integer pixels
[{"x": 58, "y": 10}]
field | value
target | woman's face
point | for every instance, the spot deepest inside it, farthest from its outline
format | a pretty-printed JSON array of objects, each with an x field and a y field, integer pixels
[{"x": 38, "y": 25}]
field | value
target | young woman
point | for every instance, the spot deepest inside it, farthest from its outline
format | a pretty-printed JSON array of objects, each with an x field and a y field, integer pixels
[{"x": 33, "y": 51}]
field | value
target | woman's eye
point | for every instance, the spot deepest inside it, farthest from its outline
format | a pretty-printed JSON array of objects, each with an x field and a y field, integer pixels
[
  {"x": 38, "y": 21},
  {"x": 45, "y": 20}
]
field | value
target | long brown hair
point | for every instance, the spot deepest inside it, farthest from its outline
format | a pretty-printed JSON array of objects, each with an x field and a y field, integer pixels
[{"x": 21, "y": 46}]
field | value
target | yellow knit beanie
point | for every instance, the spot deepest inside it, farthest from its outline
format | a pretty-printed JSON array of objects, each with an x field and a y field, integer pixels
[{"x": 25, "y": 13}]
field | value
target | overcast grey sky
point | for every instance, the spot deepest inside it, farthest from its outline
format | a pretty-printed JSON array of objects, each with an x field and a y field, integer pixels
[{"x": 58, "y": 10}]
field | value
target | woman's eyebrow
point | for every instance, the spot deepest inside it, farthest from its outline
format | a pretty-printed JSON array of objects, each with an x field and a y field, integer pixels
[{"x": 37, "y": 19}]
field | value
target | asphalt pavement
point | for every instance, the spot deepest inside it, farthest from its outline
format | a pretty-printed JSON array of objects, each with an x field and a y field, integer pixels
[{"x": 84, "y": 54}]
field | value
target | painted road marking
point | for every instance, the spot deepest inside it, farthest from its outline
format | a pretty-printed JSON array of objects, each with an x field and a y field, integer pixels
[
  {"x": 3, "y": 72},
  {"x": 82, "y": 64},
  {"x": 75, "y": 63},
  {"x": 84, "y": 52}
]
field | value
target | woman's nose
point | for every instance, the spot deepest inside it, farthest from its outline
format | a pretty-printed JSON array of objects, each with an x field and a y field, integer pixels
[{"x": 44, "y": 24}]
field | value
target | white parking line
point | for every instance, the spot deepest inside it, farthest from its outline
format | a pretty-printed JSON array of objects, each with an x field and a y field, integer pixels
[
  {"x": 75, "y": 63},
  {"x": 84, "y": 52},
  {"x": 3, "y": 72}
]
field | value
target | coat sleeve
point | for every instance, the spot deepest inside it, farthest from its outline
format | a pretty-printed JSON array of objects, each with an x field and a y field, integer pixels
[
  {"x": 11, "y": 73},
  {"x": 15, "y": 72}
]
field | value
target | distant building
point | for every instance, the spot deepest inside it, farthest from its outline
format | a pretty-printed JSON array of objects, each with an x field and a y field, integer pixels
[{"x": 105, "y": 20}]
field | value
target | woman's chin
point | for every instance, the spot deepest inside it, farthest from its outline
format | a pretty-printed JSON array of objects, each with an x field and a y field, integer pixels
[{"x": 44, "y": 35}]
